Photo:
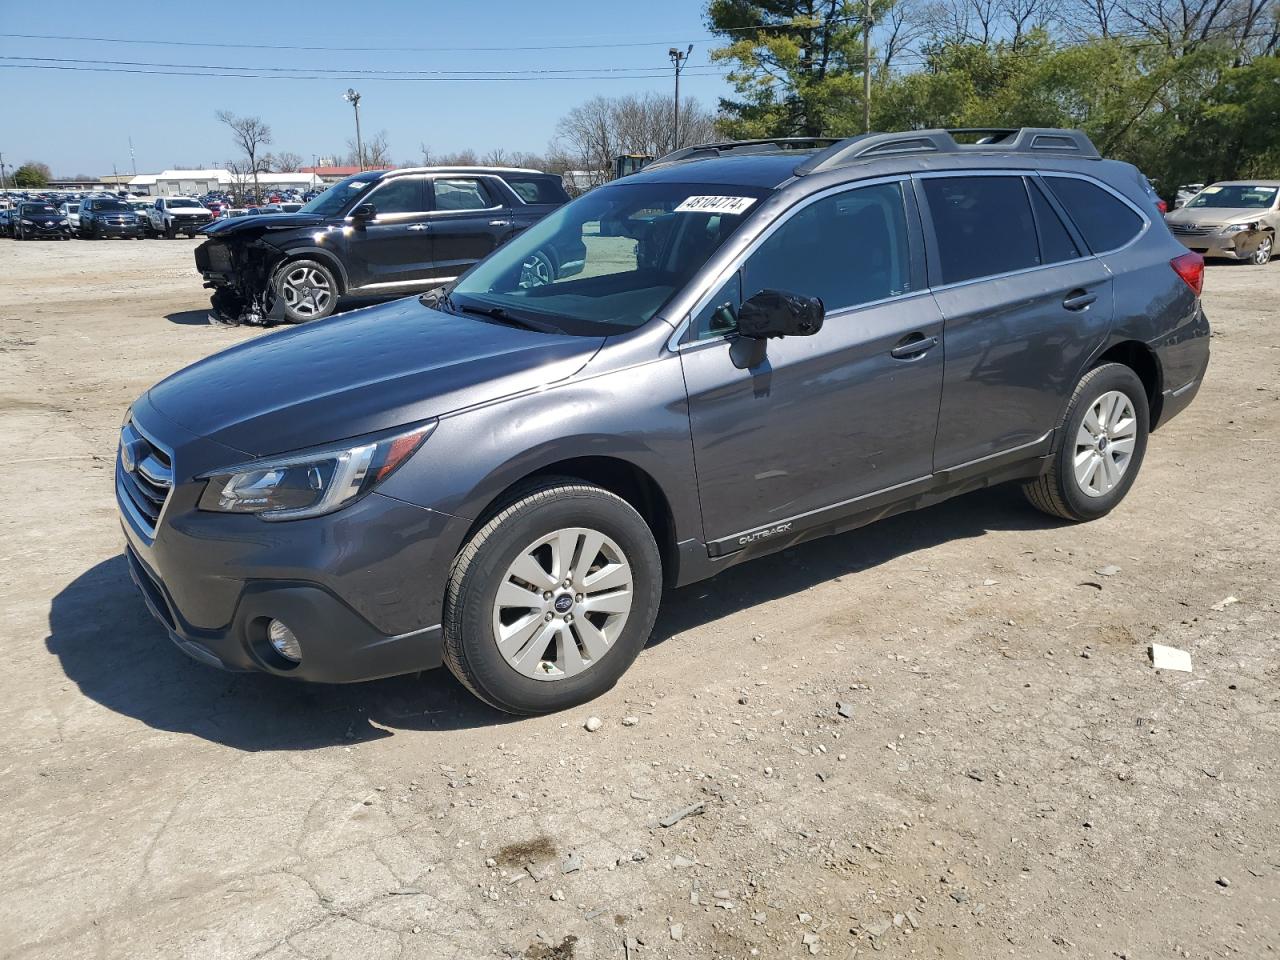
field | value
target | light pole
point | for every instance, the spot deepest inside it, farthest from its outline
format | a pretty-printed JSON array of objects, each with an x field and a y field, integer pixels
[
  {"x": 4, "y": 185},
  {"x": 353, "y": 98},
  {"x": 677, "y": 60}
]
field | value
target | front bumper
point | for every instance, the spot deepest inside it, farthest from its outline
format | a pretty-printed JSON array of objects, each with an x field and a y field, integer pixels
[
  {"x": 363, "y": 588},
  {"x": 107, "y": 229},
  {"x": 1237, "y": 246}
]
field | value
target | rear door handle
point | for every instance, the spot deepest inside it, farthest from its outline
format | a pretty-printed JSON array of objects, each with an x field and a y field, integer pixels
[
  {"x": 913, "y": 345},
  {"x": 418, "y": 226},
  {"x": 1079, "y": 299}
]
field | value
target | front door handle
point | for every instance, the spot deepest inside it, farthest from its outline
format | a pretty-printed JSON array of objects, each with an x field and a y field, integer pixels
[
  {"x": 1079, "y": 299},
  {"x": 418, "y": 226},
  {"x": 913, "y": 345}
]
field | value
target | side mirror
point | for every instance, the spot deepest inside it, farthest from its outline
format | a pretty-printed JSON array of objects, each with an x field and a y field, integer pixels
[
  {"x": 366, "y": 211},
  {"x": 776, "y": 313}
]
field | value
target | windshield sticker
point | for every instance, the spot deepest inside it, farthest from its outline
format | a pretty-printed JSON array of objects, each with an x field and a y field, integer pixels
[
  {"x": 356, "y": 185},
  {"x": 1211, "y": 190},
  {"x": 730, "y": 205}
]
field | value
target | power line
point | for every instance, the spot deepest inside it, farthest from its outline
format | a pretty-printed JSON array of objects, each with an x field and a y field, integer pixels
[
  {"x": 585, "y": 44},
  {"x": 275, "y": 76},
  {"x": 391, "y": 74}
]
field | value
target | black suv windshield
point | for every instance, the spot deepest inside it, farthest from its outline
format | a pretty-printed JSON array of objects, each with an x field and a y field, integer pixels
[
  {"x": 29, "y": 209},
  {"x": 608, "y": 261},
  {"x": 111, "y": 205},
  {"x": 1235, "y": 196},
  {"x": 334, "y": 200}
]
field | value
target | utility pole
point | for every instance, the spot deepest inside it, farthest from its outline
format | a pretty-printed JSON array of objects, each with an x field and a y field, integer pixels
[
  {"x": 133, "y": 159},
  {"x": 353, "y": 98},
  {"x": 4, "y": 184},
  {"x": 678, "y": 59},
  {"x": 866, "y": 66}
]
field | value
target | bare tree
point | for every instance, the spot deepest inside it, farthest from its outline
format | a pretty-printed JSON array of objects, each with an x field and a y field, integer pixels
[
  {"x": 249, "y": 134},
  {"x": 377, "y": 152},
  {"x": 286, "y": 162},
  {"x": 595, "y": 132}
]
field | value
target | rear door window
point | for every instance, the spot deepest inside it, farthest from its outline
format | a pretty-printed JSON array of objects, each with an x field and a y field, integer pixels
[
  {"x": 983, "y": 226},
  {"x": 1106, "y": 222},
  {"x": 459, "y": 194},
  {"x": 1056, "y": 244}
]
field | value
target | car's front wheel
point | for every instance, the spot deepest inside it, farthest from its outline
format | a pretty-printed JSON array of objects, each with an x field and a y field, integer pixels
[
  {"x": 308, "y": 290},
  {"x": 1262, "y": 256},
  {"x": 1099, "y": 448},
  {"x": 552, "y": 599}
]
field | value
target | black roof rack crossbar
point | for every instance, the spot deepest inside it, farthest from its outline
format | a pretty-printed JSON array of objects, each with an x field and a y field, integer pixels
[
  {"x": 707, "y": 151},
  {"x": 870, "y": 146}
]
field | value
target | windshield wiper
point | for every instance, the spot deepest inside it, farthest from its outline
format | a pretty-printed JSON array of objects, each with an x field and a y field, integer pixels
[{"x": 500, "y": 314}]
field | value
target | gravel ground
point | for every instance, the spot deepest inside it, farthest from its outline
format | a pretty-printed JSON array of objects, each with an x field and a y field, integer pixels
[{"x": 939, "y": 736}]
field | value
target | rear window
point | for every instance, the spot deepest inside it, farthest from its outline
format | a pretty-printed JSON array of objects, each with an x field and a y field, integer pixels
[
  {"x": 983, "y": 225},
  {"x": 1105, "y": 221},
  {"x": 538, "y": 189}
]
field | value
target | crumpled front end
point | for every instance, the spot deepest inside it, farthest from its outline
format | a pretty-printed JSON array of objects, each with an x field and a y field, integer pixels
[{"x": 239, "y": 272}]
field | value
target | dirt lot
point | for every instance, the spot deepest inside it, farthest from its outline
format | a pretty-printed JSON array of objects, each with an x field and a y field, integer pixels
[{"x": 1012, "y": 778}]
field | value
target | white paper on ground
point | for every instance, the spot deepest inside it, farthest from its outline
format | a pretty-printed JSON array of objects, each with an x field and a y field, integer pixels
[{"x": 1170, "y": 658}]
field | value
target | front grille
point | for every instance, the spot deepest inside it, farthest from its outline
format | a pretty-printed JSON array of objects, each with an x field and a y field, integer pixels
[
  {"x": 144, "y": 478},
  {"x": 1192, "y": 229}
]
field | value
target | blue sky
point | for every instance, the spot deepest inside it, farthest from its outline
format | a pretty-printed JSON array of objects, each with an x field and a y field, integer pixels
[{"x": 80, "y": 122}]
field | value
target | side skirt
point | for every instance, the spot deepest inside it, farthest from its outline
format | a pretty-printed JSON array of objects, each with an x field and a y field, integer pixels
[{"x": 1019, "y": 463}]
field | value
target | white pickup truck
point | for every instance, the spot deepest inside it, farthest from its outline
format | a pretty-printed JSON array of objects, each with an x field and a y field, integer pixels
[{"x": 170, "y": 216}]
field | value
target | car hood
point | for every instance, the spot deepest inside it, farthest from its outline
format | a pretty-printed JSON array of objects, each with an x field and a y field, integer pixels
[
  {"x": 262, "y": 222},
  {"x": 1203, "y": 216},
  {"x": 358, "y": 373}
]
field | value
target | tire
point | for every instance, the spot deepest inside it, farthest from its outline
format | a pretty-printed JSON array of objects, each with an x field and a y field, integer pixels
[
  {"x": 537, "y": 269},
  {"x": 558, "y": 669},
  {"x": 1124, "y": 423},
  {"x": 1262, "y": 256},
  {"x": 307, "y": 289},
  {"x": 169, "y": 232}
]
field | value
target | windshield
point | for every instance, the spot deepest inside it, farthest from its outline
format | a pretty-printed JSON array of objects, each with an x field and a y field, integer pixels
[
  {"x": 184, "y": 202},
  {"x": 29, "y": 209},
  {"x": 112, "y": 205},
  {"x": 608, "y": 261},
  {"x": 334, "y": 200},
  {"x": 1235, "y": 196}
]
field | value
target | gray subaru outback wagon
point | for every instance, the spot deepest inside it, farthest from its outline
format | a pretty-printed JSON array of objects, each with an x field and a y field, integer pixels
[{"x": 744, "y": 346}]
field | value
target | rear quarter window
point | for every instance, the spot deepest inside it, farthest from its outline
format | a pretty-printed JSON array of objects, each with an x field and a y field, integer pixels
[
  {"x": 1105, "y": 222},
  {"x": 538, "y": 189}
]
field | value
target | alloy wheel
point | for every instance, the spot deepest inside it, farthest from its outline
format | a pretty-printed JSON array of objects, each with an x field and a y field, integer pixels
[
  {"x": 1262, "y": 255},
  {"x": 562, "y": 603},
  {"x": 306, "y": 291},
  {"x": 1105, "y": 443},
  {"x": 536, "y": 271}
]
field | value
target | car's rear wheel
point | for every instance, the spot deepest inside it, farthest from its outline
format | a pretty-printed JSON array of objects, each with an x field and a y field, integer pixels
[
  {"x": 537, "y": 270},
  {"x": 307, "y": 289},
  {"x": 1099, "y": 448},
  {"x": 1262, "y": 256},
  {"x": 552, "y": 599}
]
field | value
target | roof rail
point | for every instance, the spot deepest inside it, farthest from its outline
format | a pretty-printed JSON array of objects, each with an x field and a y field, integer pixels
[
  {"x": 707, "y": 151},
  {"x": 871, "y": 146}
]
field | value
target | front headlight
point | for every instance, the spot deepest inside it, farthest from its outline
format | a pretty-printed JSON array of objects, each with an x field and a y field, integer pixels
[
  {"x": 310, "y": 484},
  {"x": 1239, "y": 227}
]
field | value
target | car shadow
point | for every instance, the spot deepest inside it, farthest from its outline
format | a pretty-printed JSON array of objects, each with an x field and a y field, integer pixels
[
  {"x": 200, "y": 318},
  {"x": 108, "y": 644}
]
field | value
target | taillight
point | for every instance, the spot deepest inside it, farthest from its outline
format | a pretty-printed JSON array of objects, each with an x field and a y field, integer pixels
[
  {"x": 1190, "y": 267},
  {"x": 1162, "y": 206}
]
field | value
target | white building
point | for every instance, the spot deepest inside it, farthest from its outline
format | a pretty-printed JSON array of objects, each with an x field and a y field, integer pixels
[{"x": 195, "y": 183}]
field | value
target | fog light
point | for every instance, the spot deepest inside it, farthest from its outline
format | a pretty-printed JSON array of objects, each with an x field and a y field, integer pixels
[{"x": 284, "y": 642}]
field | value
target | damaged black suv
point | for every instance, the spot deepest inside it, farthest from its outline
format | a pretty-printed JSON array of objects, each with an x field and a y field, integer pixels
[{"x": 392, "y": 231}]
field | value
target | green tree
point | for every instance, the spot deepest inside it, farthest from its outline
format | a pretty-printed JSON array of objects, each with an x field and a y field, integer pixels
[
  {"x": 32, "y": 174},
  {"x": 796, "y": 65}
]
